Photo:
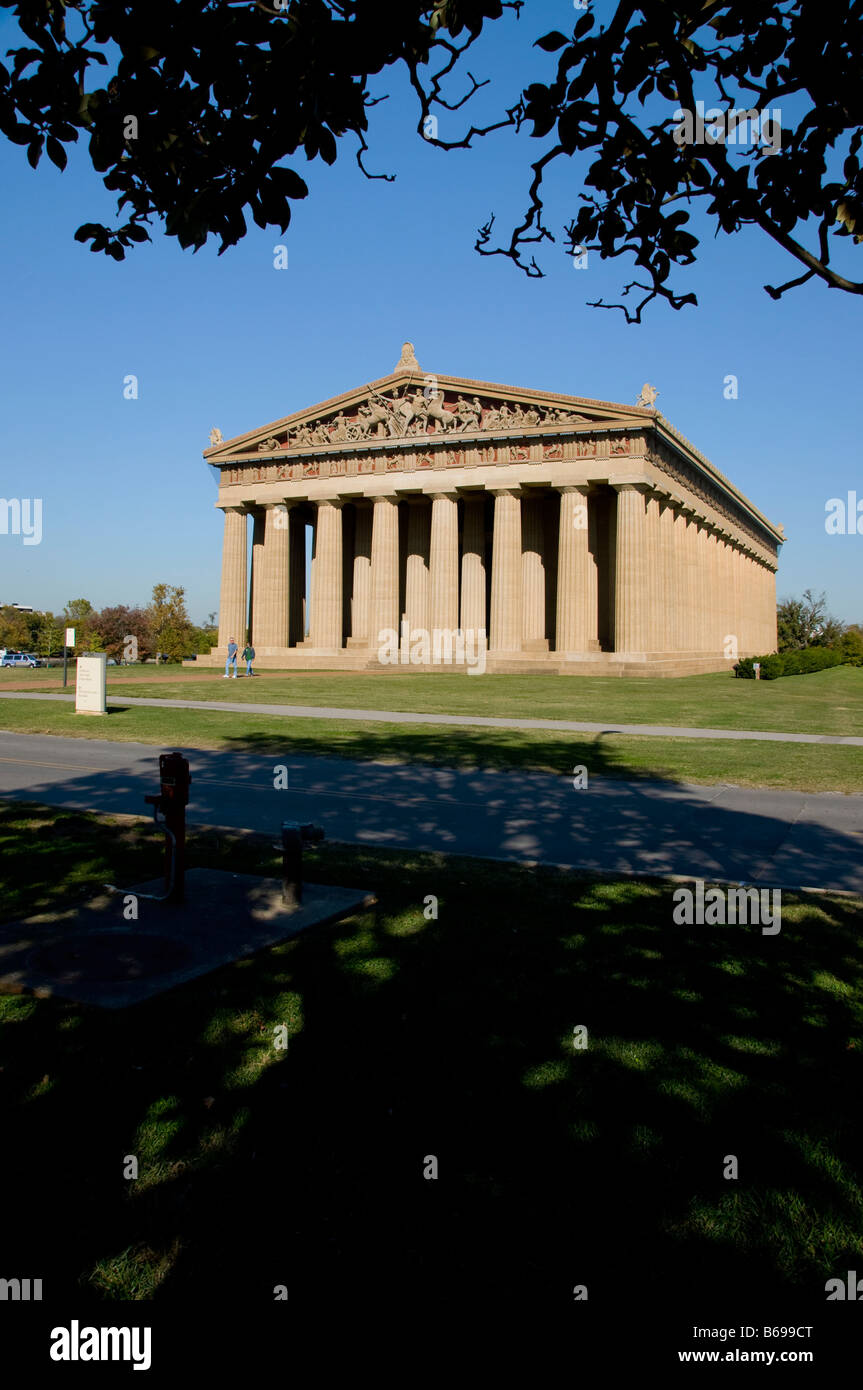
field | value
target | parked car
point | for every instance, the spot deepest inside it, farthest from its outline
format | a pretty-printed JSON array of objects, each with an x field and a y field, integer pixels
[{"x": 19, "y": 659}]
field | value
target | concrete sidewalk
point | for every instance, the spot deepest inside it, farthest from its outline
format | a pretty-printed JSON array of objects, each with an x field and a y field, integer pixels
[
  {"x": 465, "y": 721},
  {"x": 772, "y": 838}
]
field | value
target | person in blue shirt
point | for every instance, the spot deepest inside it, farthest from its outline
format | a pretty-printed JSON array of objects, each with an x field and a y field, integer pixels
[{"x": 232, "y": 659}]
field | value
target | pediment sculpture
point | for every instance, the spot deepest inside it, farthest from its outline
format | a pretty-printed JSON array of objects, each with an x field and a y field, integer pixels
[{"x": 409, "y": 412}]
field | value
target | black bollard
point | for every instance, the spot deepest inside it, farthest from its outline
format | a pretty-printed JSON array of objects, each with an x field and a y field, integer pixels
[{"x": 294, "y": 836}]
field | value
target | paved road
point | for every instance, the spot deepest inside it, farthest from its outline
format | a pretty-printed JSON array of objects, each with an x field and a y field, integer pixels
[
  {"x": 781, "y": 838},
  {"x": 458, "y": 720}
]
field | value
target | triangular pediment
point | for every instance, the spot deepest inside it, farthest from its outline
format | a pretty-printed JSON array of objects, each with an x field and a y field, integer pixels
[{"x": 409, "y": 405}]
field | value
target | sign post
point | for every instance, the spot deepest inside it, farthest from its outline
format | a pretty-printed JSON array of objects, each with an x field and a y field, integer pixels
[
  {"x": 68, "y": 642},
  {"x": 756, "y": 666},
  {"x": 90, "y": 684}
]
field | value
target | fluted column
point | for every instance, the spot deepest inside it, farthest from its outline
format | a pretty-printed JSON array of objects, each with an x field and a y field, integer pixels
[
  {"x": 506, "y": 621},
  {"x": 679, "y": 560},
  {"x": 667, "y": 575},
  {"x": 325, "y": 628},
  {"x": 443, "y": 563},
  {"x": 232, "y": 599},
  {"x": 473, "y": 615},
  {"x": 361, "y": 585},
  {"x": 574, "y": 562},
  {"x": 417, "y": 569},
  {"x": 384, "y": 592},
  {"x": 655, "y": 611},
  {"x": 723, "y": 598},
  {"x": 630, "y": 569},
  {"x": 693, "y": 640},
  {"x": 713, "y": 616},
  {"x": 704, "y": 641},
  {"x": 735, "y": 625},
  {"x": 269, "y": 619},
  {"x": 533, "y": 576}
]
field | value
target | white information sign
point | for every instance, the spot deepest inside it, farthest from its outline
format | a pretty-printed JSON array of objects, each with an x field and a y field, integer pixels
[
  {"x": 90, "y": 684},
  {"x": 70, "y": 637}
]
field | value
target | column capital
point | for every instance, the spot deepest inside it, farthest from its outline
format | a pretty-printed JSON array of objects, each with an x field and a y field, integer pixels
[
  {"x": 583, "y": 489},
  {"x": 384, "y": 497},
  {"x": 516, "y": 490},
  {"x": 329, "y": 502},
  {"x": 632, "y": 485},
  {"x": 242, "y": 508},
  {"x": 442, "y": 495}
]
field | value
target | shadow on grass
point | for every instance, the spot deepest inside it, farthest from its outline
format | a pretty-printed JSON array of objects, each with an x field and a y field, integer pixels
[{"x": 452, "y": 1038}]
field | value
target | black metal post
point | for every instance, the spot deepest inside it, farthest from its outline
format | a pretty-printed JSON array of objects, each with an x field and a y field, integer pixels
[{"x": 294, "y": 836}]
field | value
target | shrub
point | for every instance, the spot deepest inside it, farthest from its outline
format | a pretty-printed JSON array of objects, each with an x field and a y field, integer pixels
[{"x": 792, "y": 663}]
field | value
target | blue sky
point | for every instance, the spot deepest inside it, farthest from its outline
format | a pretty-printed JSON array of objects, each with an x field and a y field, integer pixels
[{"x": 233, "y": 342}]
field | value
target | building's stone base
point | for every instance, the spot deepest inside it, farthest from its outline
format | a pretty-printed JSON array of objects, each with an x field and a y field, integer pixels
[{"x": 524, "y": 663}]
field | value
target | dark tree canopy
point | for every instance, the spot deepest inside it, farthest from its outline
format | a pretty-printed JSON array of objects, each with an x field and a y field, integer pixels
[
  {"x": 201, "y": 102},
  {"x": 622, "y": 92}
]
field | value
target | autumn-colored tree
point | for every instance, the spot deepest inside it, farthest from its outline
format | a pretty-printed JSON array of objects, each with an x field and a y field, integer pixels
[
  {"x": 117, "y": 625},
  {"x": 170, "y": 625}
]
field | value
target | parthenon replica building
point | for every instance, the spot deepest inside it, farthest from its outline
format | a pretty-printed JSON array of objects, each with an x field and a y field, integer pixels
[{"x": 559, "y": 534}]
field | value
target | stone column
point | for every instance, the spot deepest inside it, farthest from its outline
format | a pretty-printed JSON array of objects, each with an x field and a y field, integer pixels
[
  {"x": 361, "y": 586},
  {"x": 653, "y": 560},
  {"x": 417, "y": 571},
  {"x": 325, "y": 628},
  {"x": 679, "y": 614},
  {"x": 667, "y": 574},
  {"x": 384, "y": 581},
  {"x": 297, "y": 578},
  {"x": 735, "y": 626},
  {"x": 712, "y": 617},
  {"x": 726, "y": 592},
  {"x": 232, "y": 600},
  {"x": 506, "y": 619},
  {"x": 630, "y": 569},
  {"x": 443, "y": 563},
  {"x": 533, "y": 577},
  {"x": 704, "y": 636},
  {"x": 270, "y": 600},
  {"x": 691, "y": 596},
  {"x": 575, "y": 586},
  {"x": 473, "y": 616}
]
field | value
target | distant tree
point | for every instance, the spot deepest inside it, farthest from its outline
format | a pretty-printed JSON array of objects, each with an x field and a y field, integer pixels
[
  {"x": 49, "y": 636},
  {"x": 851, "y": 644},
  {"x": 205, "y": 637},
  {"x": 79, "y": 613},
  {"x": 116, "y": 625},
  {"x": 805, "y": 622},
  {"x": 15, "y": 629},
  {"x": 170, "y": 625},
  {"x": 78, "y": 610}
]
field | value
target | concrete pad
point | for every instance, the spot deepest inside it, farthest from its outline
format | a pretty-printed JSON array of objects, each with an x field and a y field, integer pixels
[{"x": 93, "y": 955}]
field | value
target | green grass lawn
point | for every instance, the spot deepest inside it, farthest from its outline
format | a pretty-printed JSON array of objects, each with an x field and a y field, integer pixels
[
  {"x": 828, "y": 702},
  {"x": 805, "y": 767},
  {"x": 451, "y": 1037}
]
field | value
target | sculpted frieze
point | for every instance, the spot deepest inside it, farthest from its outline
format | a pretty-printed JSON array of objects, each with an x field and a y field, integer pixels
[{"x": 410, "y": 413}]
